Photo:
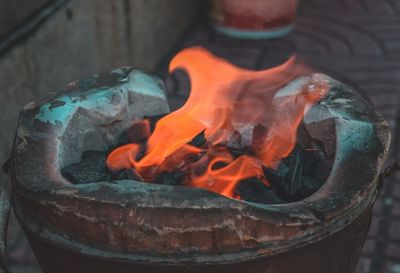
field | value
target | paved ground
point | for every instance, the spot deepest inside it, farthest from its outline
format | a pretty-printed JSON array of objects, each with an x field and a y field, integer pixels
[{"x": 355, "y": 41}]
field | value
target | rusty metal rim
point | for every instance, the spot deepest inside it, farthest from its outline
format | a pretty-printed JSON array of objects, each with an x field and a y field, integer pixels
[{"x": 58, "y": 240}]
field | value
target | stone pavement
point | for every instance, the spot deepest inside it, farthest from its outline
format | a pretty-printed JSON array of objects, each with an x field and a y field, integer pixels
[{"x": 355, "y": 41}]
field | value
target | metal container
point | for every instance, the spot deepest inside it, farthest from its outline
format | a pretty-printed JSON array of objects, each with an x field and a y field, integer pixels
[
  {"x": 253, "y": 19},
  {"x": 128, "y": 226}
]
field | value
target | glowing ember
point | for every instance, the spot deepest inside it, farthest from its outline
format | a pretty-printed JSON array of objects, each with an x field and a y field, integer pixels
[{"x": 236, "y": 109}]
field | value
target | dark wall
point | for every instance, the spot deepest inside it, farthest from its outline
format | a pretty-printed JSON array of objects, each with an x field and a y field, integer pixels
[{"x": 14, "y": 12}]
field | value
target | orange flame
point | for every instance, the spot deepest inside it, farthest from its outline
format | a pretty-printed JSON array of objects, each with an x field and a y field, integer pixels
[{"x": 227, "y": 102}]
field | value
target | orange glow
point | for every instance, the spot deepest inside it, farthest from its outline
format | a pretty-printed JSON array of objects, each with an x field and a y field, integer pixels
[{"x": 232, "y": 105}]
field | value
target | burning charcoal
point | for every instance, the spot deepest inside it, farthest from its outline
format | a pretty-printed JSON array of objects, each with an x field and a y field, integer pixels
[
  {"x": 192, "y": 158},
  {"x": 277, "y": 178},
  {"x": 245, "y": 131},
  {"x": 93, "y": 155},
  {"x": 294, "y": 177},
  {"x": 127, "y": 174},
  {"x": 199, "y": 167},
  {"x": 248, "y": 150},
  {"x": 309, "y": 162},
  {"x": 254, "y": 190},
  {"x": 311, "y": 184},
  {"x": 112, "y": 147},
  {"x": 178, "y": 82},
  {"x": 139, "y": 131},
  {"x": 171, "y": 178},
  {"x": 219, "y": 165},
  {"x": 153, "y": 120},
  {"x": 121, "y": 175},
  {"x": 235, "y": 152},
  {"x": 260, "y": 133},
  {"x": 199, "y": 140},
  {"x": 244, "y": 151},
  {"x": 311, "y": 159},
  {"x": 234, "y": 140},
  {"x": 142, "y": 151},
  {"x": 91, "y": 168}
]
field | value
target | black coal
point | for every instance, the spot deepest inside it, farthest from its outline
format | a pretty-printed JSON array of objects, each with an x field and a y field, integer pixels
[
  {"x": 254, "y": 190},
  {"x": 91, "y": 168},
  {"x": 298, "y": 176}
]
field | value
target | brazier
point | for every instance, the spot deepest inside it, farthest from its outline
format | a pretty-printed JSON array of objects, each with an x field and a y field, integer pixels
[{"x": 128, "y": 226}]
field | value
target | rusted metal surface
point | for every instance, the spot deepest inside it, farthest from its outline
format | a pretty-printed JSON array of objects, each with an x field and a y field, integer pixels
[
  {"x": 126, "y": 225},
  {"x": 331, "y": 254}
]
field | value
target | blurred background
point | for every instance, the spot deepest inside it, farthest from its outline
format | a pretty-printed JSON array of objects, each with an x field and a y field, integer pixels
[{"x": 45, "y": 44}]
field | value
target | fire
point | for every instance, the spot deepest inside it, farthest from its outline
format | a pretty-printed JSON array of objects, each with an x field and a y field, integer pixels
[{"x": 236, "y": 109}]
